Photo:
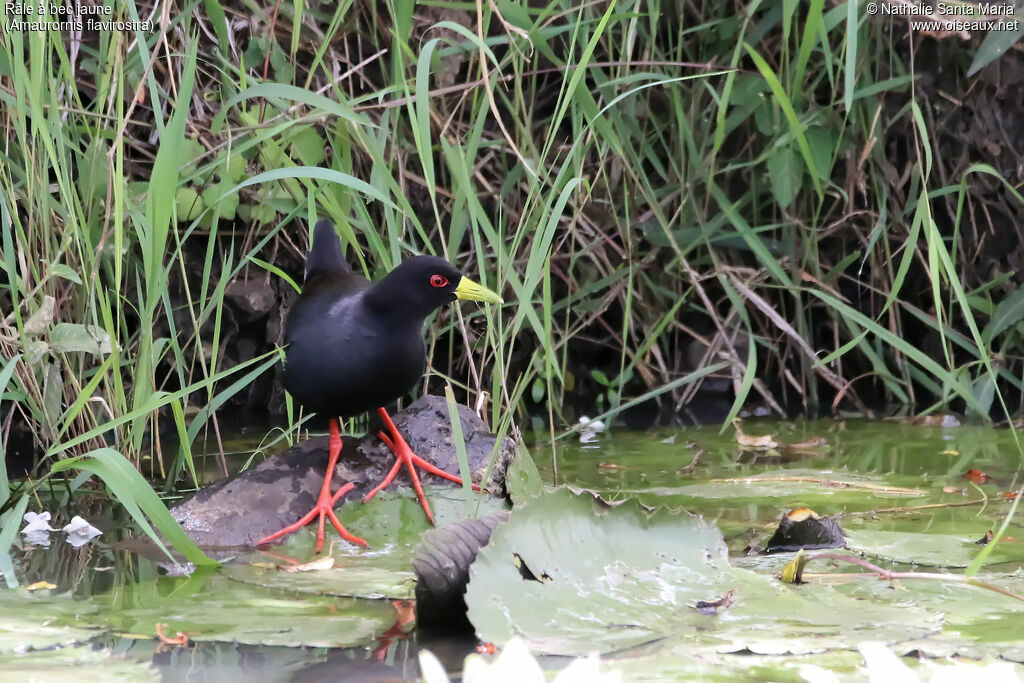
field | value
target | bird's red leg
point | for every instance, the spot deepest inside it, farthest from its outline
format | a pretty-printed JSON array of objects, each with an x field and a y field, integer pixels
[
  {"x": 324, "y": 506},
  {"x": 405, "y": 456}
]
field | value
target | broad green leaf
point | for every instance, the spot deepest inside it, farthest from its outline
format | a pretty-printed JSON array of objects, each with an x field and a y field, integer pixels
[
  {"x": 785, "y": 170},
  {"x": 374, "y": 576},
  {"x": 612, "y": 578},
  {"x": 72, "y": 337},
  {"x": 522, "y": 479},
  {"x": 928, "y": 549},
  {"x": 308, "y": 146},
  {"x": 38, "y": 620},
  {"x": 65, "y": 271},
  {"x": 218, "y": 609},
  {"x": 187, "y": 204},
  {"x": 88, "y": 664}
]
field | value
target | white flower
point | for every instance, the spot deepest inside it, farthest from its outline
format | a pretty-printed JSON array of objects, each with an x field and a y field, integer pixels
[
  {"x": 37, "y": 529},
  {"x": 80, "y": 532},
  {"x": 589, "y": 429},
  {"x": 516, "y": 664}
]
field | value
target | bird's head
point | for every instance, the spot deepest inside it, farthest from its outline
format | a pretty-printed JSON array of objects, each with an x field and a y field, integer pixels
[{"x": 423, "y": 283}]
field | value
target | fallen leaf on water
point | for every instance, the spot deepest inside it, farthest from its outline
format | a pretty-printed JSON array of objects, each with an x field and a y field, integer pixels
[
  {"x": 323, "y": 564},
  {"x": 41, "y": 586},
  {"x": 750, "y": 441},
  {"x": 711, "y": 608}
]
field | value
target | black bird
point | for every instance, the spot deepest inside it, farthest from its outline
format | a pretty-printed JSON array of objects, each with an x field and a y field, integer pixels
[{"x": 353, "y": 346}]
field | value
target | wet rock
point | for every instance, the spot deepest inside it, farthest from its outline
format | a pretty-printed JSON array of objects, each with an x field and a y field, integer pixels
[
  {"x": 240, "y": 510},
  {"x": 252, "y": 298}
]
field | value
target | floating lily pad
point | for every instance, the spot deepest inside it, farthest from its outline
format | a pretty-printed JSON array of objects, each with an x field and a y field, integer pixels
[
  {"x": 371, "y": 576},
  {"x": 571, "y": 576},
  {"x": 215, "y": 608},
  {"x": 391, "y": 523},
  {"x": 799, "y": 484},
  {"x": 33, "y": 621},
  {"x": 87, "y": 665},
  {"x": 976, "y": 619},
  {"x": 929, "y": 549}
]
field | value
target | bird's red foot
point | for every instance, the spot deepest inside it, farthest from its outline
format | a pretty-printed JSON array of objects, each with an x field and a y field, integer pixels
[
  {"x": 405, "y": 456},
  {"x": 324, "y": 506}
]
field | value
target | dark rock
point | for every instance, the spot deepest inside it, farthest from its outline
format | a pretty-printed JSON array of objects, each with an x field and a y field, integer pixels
[
  {"x": 240, "y": 510},
  {"x": 804, "y": 529},
  {"x": 253, "y": 298},
  {"x": 442, "y": 565}
]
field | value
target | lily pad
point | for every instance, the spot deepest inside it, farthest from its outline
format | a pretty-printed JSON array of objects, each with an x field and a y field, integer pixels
[
  {"x": 571, "y": 576},
  {"x": 522, "y": 479},
  {"x": 800, "y": 484},
  {"x": 928, "y": 549},
  {"x": 33, "y": 621},
  {"x": 391, "y": 523},
  {"x": 87, "y": 664},
  {"x": 213, "y": 608},
  {"x": 976, "y": 619},
  {"x": 359, "y": 576}
]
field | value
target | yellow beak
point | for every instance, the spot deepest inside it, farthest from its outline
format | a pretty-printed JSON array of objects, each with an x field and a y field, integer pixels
[{"x": 471, "y": 291}]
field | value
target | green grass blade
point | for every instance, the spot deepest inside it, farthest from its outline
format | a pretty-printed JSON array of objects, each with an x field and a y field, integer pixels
[{"x": 139, "y": 499}]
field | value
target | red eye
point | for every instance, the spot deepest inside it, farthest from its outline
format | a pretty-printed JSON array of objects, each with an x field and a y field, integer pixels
[{"x": 438, "y": 281}]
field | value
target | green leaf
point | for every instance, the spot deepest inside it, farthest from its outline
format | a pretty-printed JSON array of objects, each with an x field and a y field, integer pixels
[
  {"x": 522, "y": 479},
  {"x": 65, "y": 271},
  {"x": 39, "y": 620},
  {"x": 284, "y": 70},
  {"x": 927, "y": 549},
  {"x": 822, "y": 141},
  {"x": 1009, "y": 312},
  {"x": 995, "y": 45},
  {"x": 187, "y": 204},
  {"x": 11, "y": 522},
  {"x": 72, "y": 337},
  {"x": 537, "y": 390},
  {"x": 192, "y": 151},
  {"x": 88, "y": 664},
  {"x": 41, "y": 318},
  {"x": 226, "y": 202},
  {"x": 308, "y": 146},
  {"x": 214, "y": 608},
  {"x": 571, "y": 575},
  {"x": 785, "y": 173},
  {"x": 138, "y": 498}
]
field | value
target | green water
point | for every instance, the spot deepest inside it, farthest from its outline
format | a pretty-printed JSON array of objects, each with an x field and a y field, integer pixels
[
  {"x": 881, "y": 477},
  {"x": 653, "y": 467}
]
